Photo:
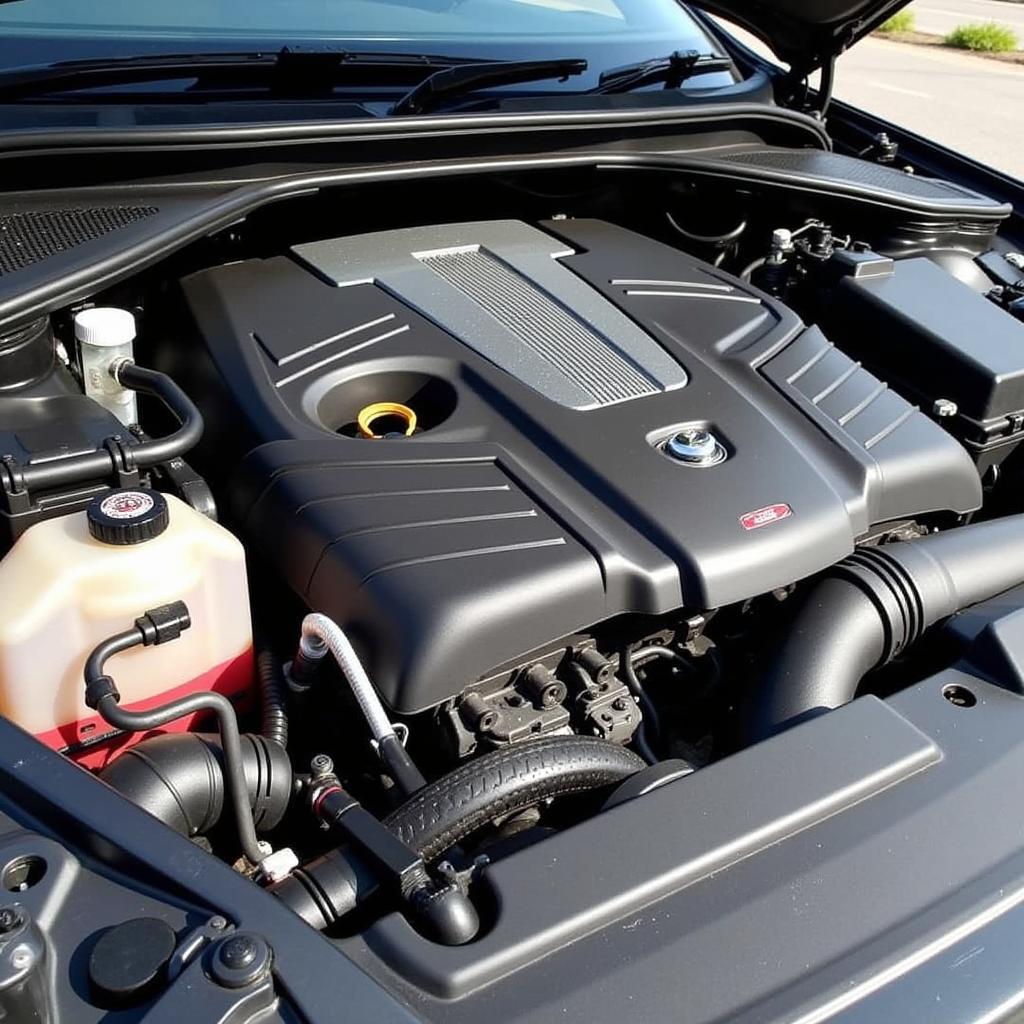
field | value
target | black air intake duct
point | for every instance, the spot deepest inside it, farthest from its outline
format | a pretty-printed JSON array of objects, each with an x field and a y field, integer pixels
[{"x": 875, "y": 604}]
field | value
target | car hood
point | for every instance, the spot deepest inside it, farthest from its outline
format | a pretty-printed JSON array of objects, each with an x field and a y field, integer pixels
[{"x": 806, "y": 33}]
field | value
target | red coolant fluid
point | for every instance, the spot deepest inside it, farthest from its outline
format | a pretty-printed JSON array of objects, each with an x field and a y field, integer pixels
[{"x": 70, "y": 582}]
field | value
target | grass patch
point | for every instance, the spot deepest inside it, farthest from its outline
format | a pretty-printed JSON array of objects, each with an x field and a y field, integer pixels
[
  {"x": 983, "y": 38},
  {"x": 901, "y": 21}
]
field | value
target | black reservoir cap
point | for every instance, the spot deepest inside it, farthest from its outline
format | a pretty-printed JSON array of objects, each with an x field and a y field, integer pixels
[{"x": 127, "y": 516}]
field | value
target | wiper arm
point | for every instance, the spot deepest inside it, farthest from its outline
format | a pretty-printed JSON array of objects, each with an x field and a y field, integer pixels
[
  {"x": 467, "y": 79},
  {"x": 672, "y": 70},
  {"x": 290, "y": 71}
]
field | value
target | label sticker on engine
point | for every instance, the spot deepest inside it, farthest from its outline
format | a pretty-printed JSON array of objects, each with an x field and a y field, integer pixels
[{"x": 765, "y": 516}]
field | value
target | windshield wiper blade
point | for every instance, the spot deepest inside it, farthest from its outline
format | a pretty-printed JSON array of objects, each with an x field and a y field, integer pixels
[
  {"x": 672, "y": 71},
  {"x": 290, "y": 71},
  {"x": 462, "y": 81}
]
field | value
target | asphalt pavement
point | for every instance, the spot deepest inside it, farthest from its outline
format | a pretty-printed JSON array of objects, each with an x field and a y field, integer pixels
[
  {"x": 940, "y": 17},
  {"x": 972, "y": 104}
]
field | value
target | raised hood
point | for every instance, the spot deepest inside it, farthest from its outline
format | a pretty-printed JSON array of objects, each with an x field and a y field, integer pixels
[{"x": 806, "y": 33}]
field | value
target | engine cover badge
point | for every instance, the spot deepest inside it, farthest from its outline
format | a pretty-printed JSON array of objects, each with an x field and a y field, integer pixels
[{"x": 765, "y": 516}]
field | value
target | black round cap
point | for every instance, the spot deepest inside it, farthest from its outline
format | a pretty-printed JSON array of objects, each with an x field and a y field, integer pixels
[
  {"x": 127, "y": 965},
  {"x": 127, "y": 516}
]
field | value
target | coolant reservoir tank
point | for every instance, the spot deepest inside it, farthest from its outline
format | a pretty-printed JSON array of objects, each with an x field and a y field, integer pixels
[{"x": 70, "y": 582}]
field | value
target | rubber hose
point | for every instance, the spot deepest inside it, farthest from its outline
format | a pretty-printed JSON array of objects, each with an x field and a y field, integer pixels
[
  {"x": 179, "y": 778},
  {"x": 348, "y": 661},
  {"x": 505, "y": 781},
  {"x": 102, "y": 463},
  {"x": 399, "y": 764},
  {"x": 874, "y": 605},
  {"x": 273, "y": 696},
  {"x": 231, "y": 742},
  {"x": 650, "y": 726}
]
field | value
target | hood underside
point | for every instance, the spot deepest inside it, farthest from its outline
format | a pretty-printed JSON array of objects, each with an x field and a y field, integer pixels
[{"x": 806, "y": 33}]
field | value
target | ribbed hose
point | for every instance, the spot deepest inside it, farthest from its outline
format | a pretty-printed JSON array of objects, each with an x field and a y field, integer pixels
[
  {"x": 273, "y": 696},
  {"x": 447, "y": 811},
  {"x": 317, "y": 627},
  {"x": 327, "y": 630},
  {"x": 874, "y": 605},
  {"x": 503, "y": 782}
]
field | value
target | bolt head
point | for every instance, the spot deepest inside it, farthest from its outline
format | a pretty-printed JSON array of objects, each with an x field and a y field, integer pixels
[
  {"x": 241, "y": 959},
  {"x": 944, "y": 408},
  {"x": 239, "y": 951},
  {"x": 321, "y": 764}
]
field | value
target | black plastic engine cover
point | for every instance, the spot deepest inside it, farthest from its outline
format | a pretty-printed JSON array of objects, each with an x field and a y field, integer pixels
[{"x": 546, "y": 367}]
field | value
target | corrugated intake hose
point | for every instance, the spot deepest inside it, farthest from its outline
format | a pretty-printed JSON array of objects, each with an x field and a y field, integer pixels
[
  {"x": 273, "y": 696},
  {"x": 871, "y": 607},
  {"x": 446, "y": 811},
  {"x": 504, "y": 781},
  {"x": 179, "y": 778}
]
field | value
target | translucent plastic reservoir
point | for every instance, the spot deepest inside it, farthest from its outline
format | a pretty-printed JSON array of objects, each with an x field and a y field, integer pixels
[{"x": 62, "y": 591}]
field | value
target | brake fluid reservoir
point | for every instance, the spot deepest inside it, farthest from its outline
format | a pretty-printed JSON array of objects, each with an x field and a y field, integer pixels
[
  {"x": 105, "y": 335},
  {"x": 70, "y": 582}
]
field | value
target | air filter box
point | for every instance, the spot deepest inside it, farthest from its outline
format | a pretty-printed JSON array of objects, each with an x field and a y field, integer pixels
[{"x": 933, "y": 337}]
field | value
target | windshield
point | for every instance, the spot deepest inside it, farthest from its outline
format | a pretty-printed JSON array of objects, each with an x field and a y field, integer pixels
[{"x": 604, "y": 32}]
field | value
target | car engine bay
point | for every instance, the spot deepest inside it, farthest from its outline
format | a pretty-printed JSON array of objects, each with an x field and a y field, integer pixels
[{"x": 389, "y": 535}]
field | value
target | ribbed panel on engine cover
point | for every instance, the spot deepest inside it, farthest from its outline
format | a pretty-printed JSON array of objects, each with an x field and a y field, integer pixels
[{"x": 535, "y": 500}]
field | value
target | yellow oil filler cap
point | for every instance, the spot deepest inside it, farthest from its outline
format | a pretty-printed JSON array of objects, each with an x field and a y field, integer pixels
[{"x": 402, "y": 420}]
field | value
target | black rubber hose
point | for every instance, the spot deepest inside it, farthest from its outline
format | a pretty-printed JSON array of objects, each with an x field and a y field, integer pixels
[
  {"x": 505, "y": 781},
  {"x": 179, "y": 778},
  {"x": 872, "y": 606},
  {"x": 97, "y": 465},
  {"x": 650, "y": 727},
  {"x": 156, "y": 626},
  {"x": 273, "y": 696},
  {"x": 238, "y": 792},
  {"x": 446, "y": 811}
]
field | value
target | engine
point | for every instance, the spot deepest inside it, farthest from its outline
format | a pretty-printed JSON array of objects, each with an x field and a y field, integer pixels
[
  {"x": 573, "y": 423},
  {"x": 444, "y": 536}
]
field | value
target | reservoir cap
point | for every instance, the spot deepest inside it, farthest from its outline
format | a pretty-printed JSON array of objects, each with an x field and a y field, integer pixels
[
  {"x": 106, "y": 326},
  {"x": 127, "y": 516}
]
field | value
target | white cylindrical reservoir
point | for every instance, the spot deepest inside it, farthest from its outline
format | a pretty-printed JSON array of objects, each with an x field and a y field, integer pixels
[{"x": 105, "y": 335}]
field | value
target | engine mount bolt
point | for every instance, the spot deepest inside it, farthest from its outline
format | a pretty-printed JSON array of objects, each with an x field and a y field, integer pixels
[{"x": 944, "y": 408}]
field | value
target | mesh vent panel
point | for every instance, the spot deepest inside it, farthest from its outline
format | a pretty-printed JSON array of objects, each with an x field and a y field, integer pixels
[{"x": 27, "y": 238}]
